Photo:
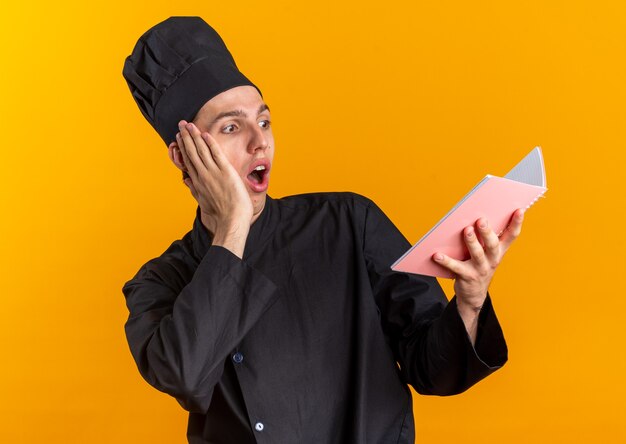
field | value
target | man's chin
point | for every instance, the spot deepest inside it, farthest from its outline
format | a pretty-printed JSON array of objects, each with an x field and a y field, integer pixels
[{"x": 258, "y": 201}]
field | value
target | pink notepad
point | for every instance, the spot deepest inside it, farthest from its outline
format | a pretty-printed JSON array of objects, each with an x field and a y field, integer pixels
[{"x": 495, "y": 198}]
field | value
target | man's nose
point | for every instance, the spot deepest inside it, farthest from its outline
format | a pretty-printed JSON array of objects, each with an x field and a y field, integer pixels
[{"x": 258, "y": 140}]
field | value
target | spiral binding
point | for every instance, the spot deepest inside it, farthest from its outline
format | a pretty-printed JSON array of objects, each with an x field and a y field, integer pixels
[{"x": 535, "y": 200}]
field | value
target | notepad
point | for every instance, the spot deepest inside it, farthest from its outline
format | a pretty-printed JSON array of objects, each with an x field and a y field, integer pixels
[{"x": 495, "y": 198}]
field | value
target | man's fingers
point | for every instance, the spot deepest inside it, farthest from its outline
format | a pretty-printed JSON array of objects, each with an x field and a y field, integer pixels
[
  {"x": 513, "y": 230},
  {"x": 191, "y": 169},
  {"x": 190, "y": 148},
  {"x": 476, "y": 251},
  {"x": 204, "y": 151},
  {"x": 216, "y": 151},
  {"x": 490, "y": 240},
  {"x": 457, "y": 267}
]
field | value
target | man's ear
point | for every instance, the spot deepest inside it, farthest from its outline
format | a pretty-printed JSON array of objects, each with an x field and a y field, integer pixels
[{"x": 176, "y": 157}]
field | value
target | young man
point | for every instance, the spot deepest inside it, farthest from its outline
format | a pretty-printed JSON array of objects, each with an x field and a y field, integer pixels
[{"x": 279, "y": 320}]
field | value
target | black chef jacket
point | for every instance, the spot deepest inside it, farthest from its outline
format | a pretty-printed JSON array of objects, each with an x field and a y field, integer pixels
[{"x": 311, "y": 338}]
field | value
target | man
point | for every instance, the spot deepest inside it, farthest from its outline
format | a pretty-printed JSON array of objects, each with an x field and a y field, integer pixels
[{"x": 279, "y": 320}]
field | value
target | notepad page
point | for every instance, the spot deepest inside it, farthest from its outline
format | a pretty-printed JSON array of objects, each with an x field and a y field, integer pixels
[
  {"x": 495, "y": 200},
  {"x": 530, "y": 170},
  {"x": 454, "y": 208}
]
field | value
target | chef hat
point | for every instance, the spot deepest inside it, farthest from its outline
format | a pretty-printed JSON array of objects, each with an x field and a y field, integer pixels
[{"x": 175, "y": 68}]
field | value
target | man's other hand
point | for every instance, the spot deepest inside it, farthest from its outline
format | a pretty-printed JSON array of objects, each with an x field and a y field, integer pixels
[{"x": 474, "y": 275}]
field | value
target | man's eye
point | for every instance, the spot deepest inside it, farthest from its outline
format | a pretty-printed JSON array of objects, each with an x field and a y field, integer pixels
[
  {"x": 229, "y": 128},
  {"x": 264, "y": 123}
]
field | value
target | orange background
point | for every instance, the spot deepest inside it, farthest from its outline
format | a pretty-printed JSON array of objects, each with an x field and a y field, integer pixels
[{"x": 405, "y": 102}]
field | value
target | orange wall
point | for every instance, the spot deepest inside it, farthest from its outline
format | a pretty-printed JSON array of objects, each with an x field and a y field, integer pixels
[{"x": 407, "y": 103}]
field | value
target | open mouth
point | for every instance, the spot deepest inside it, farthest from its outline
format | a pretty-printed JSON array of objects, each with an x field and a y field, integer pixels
[
  {"x": 258, "y": 174},
  {"x": 258, "y": 178}
]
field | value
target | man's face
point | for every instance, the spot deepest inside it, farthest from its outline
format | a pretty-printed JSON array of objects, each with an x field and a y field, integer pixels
[{"x": 239, "y": 121}]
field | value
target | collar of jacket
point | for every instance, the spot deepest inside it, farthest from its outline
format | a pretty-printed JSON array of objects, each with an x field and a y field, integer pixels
[{"x": 260, "y": 231}]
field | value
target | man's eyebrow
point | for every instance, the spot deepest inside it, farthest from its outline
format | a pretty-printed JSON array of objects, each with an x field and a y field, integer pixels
[
  {"x": 263, "y": 108},
  {"x": 237, "y": 113}
]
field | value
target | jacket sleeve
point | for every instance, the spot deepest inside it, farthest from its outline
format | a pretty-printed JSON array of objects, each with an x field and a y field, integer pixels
[
  {"x": 425, "y": 331},
  {"x": 180, "y": 333}
]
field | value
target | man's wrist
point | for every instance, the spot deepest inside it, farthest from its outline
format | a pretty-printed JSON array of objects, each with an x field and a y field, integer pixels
[
  {"x": 468, "y": 307},
  {"x": 232, "y": 237},
  {"x": 469, "y": 313},
  {"x": 471, "y": 301}
]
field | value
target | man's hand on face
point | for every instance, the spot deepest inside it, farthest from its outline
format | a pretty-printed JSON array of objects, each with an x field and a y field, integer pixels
[{"x": 216, "y": 186}]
